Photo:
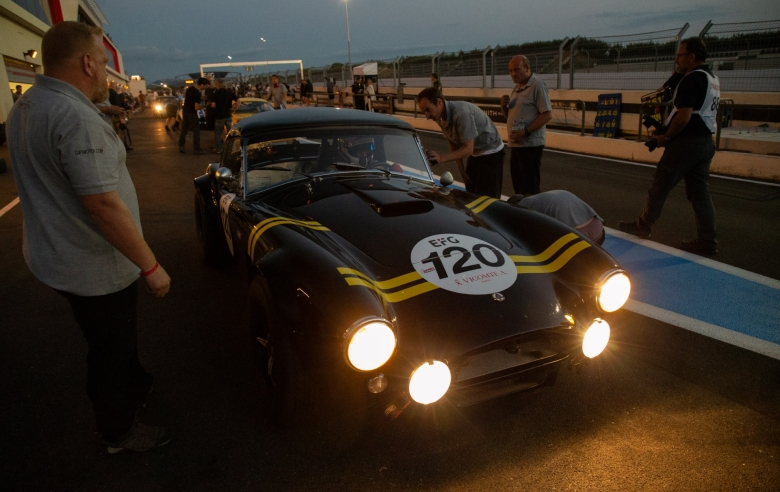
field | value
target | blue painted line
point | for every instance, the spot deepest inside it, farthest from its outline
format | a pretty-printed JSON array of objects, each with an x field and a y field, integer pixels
[{"x": 697, "y": 291}]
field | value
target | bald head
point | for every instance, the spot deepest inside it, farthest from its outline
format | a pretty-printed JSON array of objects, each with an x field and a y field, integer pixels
[{"x": 519, "y": 69}]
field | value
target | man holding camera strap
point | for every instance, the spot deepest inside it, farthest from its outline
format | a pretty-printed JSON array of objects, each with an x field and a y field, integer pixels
[{"x": 688, "y": 150}]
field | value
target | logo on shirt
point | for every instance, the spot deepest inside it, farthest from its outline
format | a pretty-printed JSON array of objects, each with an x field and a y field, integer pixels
[{"x": 89, "y": 151}]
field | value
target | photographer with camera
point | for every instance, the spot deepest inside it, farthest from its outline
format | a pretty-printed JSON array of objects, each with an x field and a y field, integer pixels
[{"x": 688, "y": 149}]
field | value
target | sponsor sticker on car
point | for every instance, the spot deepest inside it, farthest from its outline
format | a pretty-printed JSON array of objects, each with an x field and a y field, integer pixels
[{"x": 463, "y": 264}]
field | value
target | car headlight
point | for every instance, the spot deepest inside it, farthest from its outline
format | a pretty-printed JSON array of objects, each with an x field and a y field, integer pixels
[
  {"x": 596, "y": 338},
  {"x": 370, "y": 345},
  {"x": 429, "y": 382},
  {"x": 158, "y": 107},
  {"x": 614, "y": 292}
]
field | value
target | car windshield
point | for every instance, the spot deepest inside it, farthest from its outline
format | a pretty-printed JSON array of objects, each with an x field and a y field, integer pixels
[
  {"x": 166, "y": 100},
  {"x": 254, "y": 107},
  {"x": 287, "y": 156}
]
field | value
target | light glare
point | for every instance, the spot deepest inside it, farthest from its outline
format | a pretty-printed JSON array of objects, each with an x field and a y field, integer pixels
[
  {"x": 429, "y": 382},
  {"x": 596, "y": 338},
  {"x": 614, "y": 293},
  {"x": 371, "y": 346}
]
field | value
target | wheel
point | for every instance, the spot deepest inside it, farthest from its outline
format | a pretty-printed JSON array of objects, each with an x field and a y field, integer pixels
[
  {"x": 210, "y": 234},
  {"x": 291, "y": 396}
]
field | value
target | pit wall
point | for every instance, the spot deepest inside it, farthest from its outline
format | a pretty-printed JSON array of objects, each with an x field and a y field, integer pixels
[{"x": 751, "y": 166}]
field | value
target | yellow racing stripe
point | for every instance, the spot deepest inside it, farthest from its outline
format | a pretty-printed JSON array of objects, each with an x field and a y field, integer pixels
[
  {"x": 484, "y": 205},
  {"x": 477, "y": 201},
  {"x": 264, "y": 225},
  {"x": 399, "y": 296},
  {"x": 558, "y": 263},
  {"x": 548, "y": 253},
  {"x": 386, "y": 284}
]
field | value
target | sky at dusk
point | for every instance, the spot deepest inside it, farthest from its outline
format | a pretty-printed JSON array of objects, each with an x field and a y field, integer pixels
[{"x": 162, "y": 39}]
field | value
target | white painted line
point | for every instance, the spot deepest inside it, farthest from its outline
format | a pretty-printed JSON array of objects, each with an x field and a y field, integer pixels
[
  {"x": 713, "y": 331},
  {"x": 715, "y": 265},
  {"x": 640, "y": 164},
  {"x": 9, "y": 206}
]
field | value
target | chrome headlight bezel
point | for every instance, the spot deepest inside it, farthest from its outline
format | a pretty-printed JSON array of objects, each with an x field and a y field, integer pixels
[
  {"x": 602, "y": 282},
  {"x": 356, "y": 327}
]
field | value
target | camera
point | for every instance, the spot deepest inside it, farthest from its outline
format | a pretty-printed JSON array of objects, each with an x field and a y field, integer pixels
[{"x": 650, "y": 122}]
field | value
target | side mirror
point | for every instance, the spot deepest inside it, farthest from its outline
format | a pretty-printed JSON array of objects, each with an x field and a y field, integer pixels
[
  {"x": 446, "y": 179},
  {"x": 224, "y": 176}
]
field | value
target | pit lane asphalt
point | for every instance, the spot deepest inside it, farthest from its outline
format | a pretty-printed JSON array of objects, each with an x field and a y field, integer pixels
[{"x": 662, "y": 409}]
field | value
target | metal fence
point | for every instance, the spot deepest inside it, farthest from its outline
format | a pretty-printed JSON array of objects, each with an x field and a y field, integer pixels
[
  {"x": 750, "y": 49},
  {"x": 746, "y": 57}
]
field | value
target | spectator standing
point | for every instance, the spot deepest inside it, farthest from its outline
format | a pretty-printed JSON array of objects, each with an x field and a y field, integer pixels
[
  {"x": 18, "y": 93},
  {"x": 209, "y": 110},
  {"x": 565, "y": 207},
  {"x": 527, "y": 112},
  {"x": 82, "y": 231},
  {"x": 435, "y": 83},
  {"x": 189, "y": 115},
  {"x": 358, "y": 89},
  {"x": 688, "y": 149},
  {"x": 309, "y": 88},
  {"x": 141, "y": 101},
  {"x": 371, "y": 93},
  {"x": 278, "y": 93},
  {"x": 223, "y": 101},
  {"x": 171, "y": 110},
  {"x": 471, "y": 135},
  {"x": 329, "y": 87}
]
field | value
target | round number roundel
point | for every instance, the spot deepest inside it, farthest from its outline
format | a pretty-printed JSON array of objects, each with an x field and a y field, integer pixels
[{"x": 463, "y": 264}]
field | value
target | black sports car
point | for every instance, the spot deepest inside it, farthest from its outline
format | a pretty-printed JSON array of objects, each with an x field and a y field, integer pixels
[{"x": 372, "y": 283}]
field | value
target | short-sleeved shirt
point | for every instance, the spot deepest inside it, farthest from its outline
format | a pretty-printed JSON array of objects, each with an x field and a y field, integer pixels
[
  {"x": 61, "y": 149},
  {"x": 278, "y": 94},
  {"x": 191, "y": 97},
  {"x": 465, "y": 121},
  {"x": 223, "y": 100},
  {"x": 561, "y": 205},
  {"x": 691, "y": 92},
  {"x": 526, "y": 103}
]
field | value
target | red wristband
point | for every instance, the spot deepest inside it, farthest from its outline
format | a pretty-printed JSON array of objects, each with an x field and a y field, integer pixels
[{"x": 154, "y": 269}]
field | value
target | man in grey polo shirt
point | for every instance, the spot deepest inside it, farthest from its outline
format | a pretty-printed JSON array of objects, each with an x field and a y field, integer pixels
[
  {"x": 82, "y": 230},
  {"x": 471, "y": 135},
  {"x": 527, "y": 112}
]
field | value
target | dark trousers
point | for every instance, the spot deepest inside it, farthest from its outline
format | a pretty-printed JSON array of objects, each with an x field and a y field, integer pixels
[
  {"x": 190, "y": 121},
  {"x": 116, "y": 382},
  {"x": 525, "y": 165},
  {"x": 688, "y": 158},
  {"x": 486, "y": 173}
]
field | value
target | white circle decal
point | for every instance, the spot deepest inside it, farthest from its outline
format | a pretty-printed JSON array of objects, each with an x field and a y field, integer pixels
[{"x": 463, "y": 264}]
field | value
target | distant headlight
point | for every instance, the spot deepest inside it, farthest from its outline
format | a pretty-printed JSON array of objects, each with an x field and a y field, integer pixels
[
  {"x": 596, "y": 338},
  {"x": 371, "y": 345},
  {"x": 158, "y": 107},
  {"x": 614, "y": 292},
  {"x": 429, "y": 382}
]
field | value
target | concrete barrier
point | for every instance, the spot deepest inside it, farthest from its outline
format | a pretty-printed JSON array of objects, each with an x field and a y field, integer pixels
[{"x": 752, "y": 166}]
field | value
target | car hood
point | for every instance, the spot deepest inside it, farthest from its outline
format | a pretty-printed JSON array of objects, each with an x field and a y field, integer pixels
[{"x": 385, "y": 218}]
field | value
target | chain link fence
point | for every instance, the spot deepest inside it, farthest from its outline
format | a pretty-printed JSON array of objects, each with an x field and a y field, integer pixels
[{"x": 746, "y": 57}]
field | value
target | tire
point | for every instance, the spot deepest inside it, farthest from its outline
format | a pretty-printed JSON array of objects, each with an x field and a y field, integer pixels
[
  {"x": 290, "y": 394},
  {"x": 211, "y": 236}
]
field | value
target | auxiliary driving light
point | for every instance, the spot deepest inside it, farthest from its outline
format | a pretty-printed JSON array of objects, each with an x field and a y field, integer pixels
[
  {"x": 371, "y": 345},
  {"x": 429, "y": 382},
  {"x": 614, "y": 292},
  {"x": 158, "y": 107},
  {"x": 596, "y": 338}
]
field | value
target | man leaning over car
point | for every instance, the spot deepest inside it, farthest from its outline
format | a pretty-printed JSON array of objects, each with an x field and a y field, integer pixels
[{"x": 471, "y": 135}]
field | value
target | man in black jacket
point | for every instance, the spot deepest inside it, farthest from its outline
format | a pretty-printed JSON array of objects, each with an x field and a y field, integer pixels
[{"x": 189, "y": 115}]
